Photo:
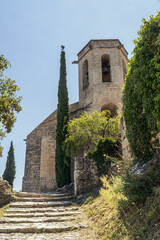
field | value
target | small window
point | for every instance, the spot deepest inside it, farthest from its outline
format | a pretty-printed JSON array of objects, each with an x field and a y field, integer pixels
[
  {"x": 106, "y": 73},
  {"x": 85, "y": 75}
]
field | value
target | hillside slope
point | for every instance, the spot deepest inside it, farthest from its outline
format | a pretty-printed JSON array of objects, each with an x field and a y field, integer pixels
[{"x": 116, "y": 217}]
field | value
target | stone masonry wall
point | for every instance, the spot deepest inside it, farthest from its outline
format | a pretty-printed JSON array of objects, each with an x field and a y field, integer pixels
[
  {"x": 31, "y": 177},
  {"x": 38, "y": 163},
  {"x": 99, "y": 93},
  {"x": 85, "y": 175},
  {"x": 39, "y": 173}
]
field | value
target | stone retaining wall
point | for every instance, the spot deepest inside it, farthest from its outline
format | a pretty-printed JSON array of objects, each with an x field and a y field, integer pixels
[{"x": 85, "y": 175}]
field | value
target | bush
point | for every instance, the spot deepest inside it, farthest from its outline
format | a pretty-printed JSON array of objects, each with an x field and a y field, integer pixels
[
  {"x": 107, "y": 151},
  {"x": 84, "y": 132}
]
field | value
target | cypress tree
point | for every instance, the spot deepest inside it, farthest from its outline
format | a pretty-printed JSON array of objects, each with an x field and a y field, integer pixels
[
  {"x": 62, "y": 161},
  {"x": 10, "y": 171}
]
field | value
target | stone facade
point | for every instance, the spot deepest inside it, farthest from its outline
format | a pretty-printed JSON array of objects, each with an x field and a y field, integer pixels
[
  {"x": 99, "y": 93},
  {"x": 39, "y": 175},
  {"x": 102, "y": 69}
]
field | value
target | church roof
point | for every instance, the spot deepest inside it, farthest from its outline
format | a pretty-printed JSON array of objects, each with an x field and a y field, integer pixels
[{"x": 102, "y": 43}]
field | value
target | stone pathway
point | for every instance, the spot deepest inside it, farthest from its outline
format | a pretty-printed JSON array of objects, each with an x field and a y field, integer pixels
[{"x": 43, "y": 216}]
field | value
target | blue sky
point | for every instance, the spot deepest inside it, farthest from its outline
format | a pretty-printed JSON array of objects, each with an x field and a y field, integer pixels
[{"x": 32, "y": 32}]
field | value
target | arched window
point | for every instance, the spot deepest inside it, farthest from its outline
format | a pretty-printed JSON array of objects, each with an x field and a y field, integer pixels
[
  {"x": 106, "y": 73},
  {"x": 124, "y": 69},
  {"x": 85, "y": 74},
  {"x": 111, "y": 107}
]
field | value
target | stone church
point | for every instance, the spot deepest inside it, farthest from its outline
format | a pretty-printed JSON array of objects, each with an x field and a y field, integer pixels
[{"x": 102, "y": 66}]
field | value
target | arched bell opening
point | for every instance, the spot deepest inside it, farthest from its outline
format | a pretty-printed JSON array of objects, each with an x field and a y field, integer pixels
[
  {"x": 111, "y": 107},
  {"x": 106, "y": 73},
  {"x": 113, "y": 112},
  {"x": 85, "y": 75}
]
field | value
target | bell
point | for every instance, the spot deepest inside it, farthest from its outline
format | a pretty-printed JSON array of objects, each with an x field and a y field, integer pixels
[
  {"x": 87, "y": 75},
  {"x": 105, "y": 69}
]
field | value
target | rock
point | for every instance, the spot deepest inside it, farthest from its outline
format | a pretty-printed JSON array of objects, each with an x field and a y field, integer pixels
[
  {"x": 140, "y": 169},
  {"x": 5, "y": 192},
  {"x": 66, "y": 188},
  {"x": 81, "y": 198}
]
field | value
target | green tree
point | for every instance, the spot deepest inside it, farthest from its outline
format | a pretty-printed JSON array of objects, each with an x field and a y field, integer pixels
[
  {"x": 10, "y": 171},
  {"x": 9, "y": 101},
  {"x": 85, "y": 132},
  {"x": 62, "y": 161},
  {"x": 142, "y": 91}
]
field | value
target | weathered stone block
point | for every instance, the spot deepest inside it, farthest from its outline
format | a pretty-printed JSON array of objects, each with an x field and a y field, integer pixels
[
  {"x": 86, "y": 178},
  {"x": 5, "y": 192},
  {"x": 79, "y": 163}
]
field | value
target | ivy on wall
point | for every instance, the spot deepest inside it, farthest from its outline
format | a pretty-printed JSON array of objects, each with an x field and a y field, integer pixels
[{"x": 142, "y": 91}]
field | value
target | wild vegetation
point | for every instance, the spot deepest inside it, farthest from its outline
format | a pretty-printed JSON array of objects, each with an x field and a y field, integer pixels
[
  {"x": 142, "y": 92},
  {"x": 96, "y": 135},
  {"x": 115, "y": 217},
  {"x": 9, "y": 101},
  {"x": 62, "y": 161},
  {"x": 10, "y": 170},
  {"x": 3, "y": 210},
  {"x": 128, "y": 205}
]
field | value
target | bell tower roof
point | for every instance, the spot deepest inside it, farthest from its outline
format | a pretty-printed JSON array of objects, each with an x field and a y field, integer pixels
[{"x": 102, "y": 43}]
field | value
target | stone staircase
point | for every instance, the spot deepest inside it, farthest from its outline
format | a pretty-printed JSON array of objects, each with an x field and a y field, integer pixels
[{"x": 42, "y": 216}]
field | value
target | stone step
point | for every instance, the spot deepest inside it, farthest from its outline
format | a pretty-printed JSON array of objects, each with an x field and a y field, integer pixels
[
  {"x": 39, "y": 227},
  {"x": 36, "y": 214},
  {"x": 73, "y": 235},
  {"x": 42, "y": 199},
  {"x": 27, "y": 194},
  {"x": 37, "y": 219},
  {"x": 39, "y": 204},
  {"x": 40, "y": 210}
]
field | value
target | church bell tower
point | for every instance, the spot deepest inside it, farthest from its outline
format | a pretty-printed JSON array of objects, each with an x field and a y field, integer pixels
[{"x": 102, "y": 70}]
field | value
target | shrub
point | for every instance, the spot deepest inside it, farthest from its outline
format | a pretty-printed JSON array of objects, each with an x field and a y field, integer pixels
[
  {"x": 106, "y": 152},
  {"x": 84, "y": 132}
]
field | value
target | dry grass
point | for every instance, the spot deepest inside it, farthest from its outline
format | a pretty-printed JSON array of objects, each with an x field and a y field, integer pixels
[
  {"x": 3, "y": 209},
  {"x": 135, "y": 222},
  {"x": 113, "y": 216}
]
